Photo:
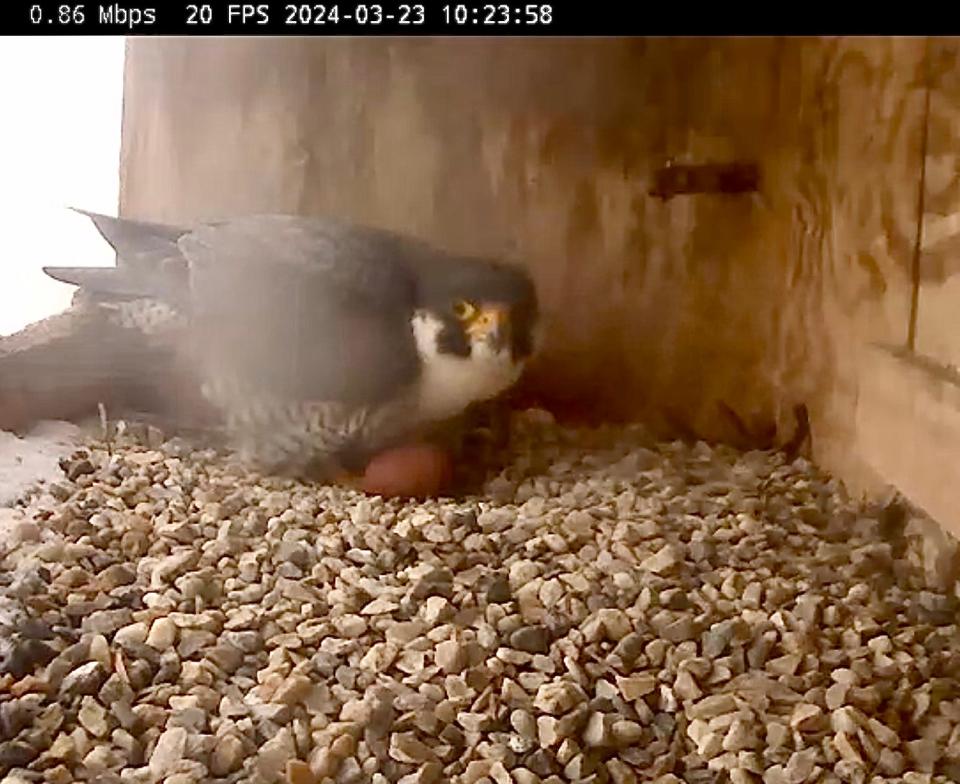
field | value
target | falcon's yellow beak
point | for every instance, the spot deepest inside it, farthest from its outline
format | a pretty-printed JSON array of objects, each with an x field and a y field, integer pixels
[{"x": 490, "y": 323}]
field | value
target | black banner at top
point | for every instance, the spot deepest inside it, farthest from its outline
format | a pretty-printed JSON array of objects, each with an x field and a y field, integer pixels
[
  {"x": 388, "y": 17},
  {"x": 299, "y": 17}
]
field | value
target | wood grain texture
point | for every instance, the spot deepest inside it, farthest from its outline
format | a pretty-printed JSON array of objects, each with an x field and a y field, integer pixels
[
  {"x": 545, "y": 150},
  {"x": 938, "y": 322},
  {"x": 908, "y": 425},
  {"x": 856, "y": 183}
]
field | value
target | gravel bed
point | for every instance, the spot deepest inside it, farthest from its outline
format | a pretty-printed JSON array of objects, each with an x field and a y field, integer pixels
[{"x": 606, "y": 609}]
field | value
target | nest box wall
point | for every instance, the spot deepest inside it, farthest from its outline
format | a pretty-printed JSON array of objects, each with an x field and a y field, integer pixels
[{"x": 706, "y": 301}]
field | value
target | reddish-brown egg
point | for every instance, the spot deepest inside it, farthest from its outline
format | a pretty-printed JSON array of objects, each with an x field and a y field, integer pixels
[{"x": 415, "y": 471}]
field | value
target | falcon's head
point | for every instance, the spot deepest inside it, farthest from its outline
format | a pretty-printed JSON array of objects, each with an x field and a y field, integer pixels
[{"x": 475, "y": 326}]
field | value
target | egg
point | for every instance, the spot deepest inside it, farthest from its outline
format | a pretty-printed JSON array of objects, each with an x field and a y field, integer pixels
[{"x": 413, "y": 471}]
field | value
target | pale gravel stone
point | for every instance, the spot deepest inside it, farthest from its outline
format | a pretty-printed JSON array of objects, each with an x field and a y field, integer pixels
[
  {"x": 406, "y": 747},
  {"x": 637, "y": 686},
  {"x": 273, "y": 756},
  {"x": 805, "y": 716},
  {"x": 93, "y": 717},
  {"x": 557, "y": 697},
  {"x": 169, "y": 751},
  {"x": 451, "y": 656},
  {"x": 162, "y": 635},
  {"x": 662, "y": 561}
]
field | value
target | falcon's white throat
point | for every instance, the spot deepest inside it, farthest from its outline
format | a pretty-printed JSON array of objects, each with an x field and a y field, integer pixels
[{"x": 449, "y": 383}]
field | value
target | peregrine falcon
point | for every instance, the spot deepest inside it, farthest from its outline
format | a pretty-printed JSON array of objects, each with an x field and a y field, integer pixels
[{"x": 318, "y": 342}]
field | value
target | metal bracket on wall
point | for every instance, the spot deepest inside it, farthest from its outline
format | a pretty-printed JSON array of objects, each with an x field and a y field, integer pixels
[{"x": 729, "y": 178}]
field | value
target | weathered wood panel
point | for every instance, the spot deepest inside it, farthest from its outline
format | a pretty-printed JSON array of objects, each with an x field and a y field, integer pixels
[
  {"x": 908, "y": 409},
  {"x": 546, "y": 150},
  {"x": 938, "y": 312},
  {"x": 908, "y": 422},
  {"x": 855, "y": 227}
]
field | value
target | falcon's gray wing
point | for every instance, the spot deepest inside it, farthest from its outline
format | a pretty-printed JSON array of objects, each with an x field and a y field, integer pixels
[
  {"x": 298, "y": 309},
  {"x": 305, "y": 308}
]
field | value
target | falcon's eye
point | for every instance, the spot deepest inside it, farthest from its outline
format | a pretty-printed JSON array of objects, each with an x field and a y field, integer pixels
[{"x": 464, "y": 310}]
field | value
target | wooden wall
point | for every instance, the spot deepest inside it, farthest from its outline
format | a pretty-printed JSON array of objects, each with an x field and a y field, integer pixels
[
  {"x": 908, "y": 412},
  {"x": 545, "y": 150}
]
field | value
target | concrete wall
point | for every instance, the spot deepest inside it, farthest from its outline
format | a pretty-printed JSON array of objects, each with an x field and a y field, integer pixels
[{"x": 669, "y": 310}]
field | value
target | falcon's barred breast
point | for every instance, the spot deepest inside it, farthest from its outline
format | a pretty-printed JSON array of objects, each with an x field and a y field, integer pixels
[{"x": 319, "y": 342}]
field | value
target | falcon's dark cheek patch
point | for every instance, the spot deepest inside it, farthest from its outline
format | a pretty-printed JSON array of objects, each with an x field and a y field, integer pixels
[{"x": 453, "y": 340}]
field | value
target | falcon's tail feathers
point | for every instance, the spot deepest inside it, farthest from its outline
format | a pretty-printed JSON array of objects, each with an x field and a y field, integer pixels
[
  {"x": 138, "y": 242},
  {"x": 151, "y": 264},
  {"x": 108, "y": 282}
]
